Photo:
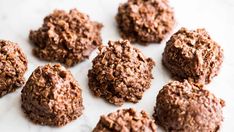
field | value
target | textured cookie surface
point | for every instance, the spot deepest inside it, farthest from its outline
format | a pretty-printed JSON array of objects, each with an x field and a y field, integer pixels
[
  {"x": 188, "y": 107},
  {"x": 68, "y": 38},
  {"x": 193, "y": 55},
  {"x": 145, "y": 21},
  {"x": 51, "y": 96},
  {"x": 126, "y": 120},
  {"x": 13, "y": 65},
  {"x": 120, "y": 73}
]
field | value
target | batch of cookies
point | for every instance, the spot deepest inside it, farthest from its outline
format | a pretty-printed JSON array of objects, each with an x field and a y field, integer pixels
[{"x": 120, "y": 72}]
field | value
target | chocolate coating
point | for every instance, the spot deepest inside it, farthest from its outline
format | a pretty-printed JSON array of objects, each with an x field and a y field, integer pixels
[
  {"x": 120, "y": 73},
  {"x": 52, "y": 96},
  {"x": 188, "y": 107},
  {"x": 126, "y": 120},
  {"x": 13, "y": 65},
  {"x": 193, "y": 55},
  {"x": 145, "y": 21},
  {"x": 68, "y": 38}
]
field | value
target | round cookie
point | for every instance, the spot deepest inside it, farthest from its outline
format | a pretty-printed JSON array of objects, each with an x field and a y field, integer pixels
[
  {"x": 120, "y": 73},
  {"x": 188, "y": 107},
  {"x": 68, "y": 38},
  {"x": 126, "y": 120},
  {"x": 52, "y": 96},
  {"x": 145, "y": 21},
  {"x": 193, "y": 55},
  {"x": 13, "y": 65}
]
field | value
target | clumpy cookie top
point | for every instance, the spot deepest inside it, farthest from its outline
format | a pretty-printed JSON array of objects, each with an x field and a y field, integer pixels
[
  {"x": 66, "y": 37},
  {"x": 192, "y": 54},
  {"x": 145, "y": 21},
  {"x": 52, "y": 96},
  {"x": 13, "y": 65},
  {"x": 186, "y": 106},
  {"x": 120, "y": 73},
  {"x": 126, "y": 120}
]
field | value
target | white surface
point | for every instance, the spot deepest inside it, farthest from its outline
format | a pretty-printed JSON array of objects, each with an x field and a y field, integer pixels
[{"x": 17, "y": 17}]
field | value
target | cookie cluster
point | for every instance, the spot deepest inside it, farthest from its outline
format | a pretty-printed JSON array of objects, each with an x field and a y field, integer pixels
[{"x": 120, "y": 72}]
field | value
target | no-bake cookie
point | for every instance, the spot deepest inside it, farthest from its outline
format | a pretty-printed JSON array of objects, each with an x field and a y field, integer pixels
[
  {"x": 188, "y": 107},
  {"x": 13, "y": 65},
  {"x": 52, "y": 96},
  {"x": 120, "y": 73},
  {"x": 193, "y": 55},
  {"x": 126, "y": 120},
  {"x": 145, "y": 21},
  {"x": 68, "y": 38}
]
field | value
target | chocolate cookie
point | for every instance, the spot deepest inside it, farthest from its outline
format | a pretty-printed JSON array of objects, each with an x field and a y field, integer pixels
[
  {"x": 13, "y": 65},
  {"x": 68, "y": 38},
  {"x": 52, "y": 96},
  {"x": 126, "y": 120},
  {"x": 145, "y": 21},
  {"x": 120, "y": 73},
  {"x": 188, "y": 107},
  {"x": 193, "y": 55}
]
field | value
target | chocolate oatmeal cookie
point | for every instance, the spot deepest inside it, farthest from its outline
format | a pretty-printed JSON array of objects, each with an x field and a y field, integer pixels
[
  {"x": 52, "y": 96},
  {"x": 120, "y": 73},
  {"x": 126, "y": 120},
  {"x": 68, "y": 38},
  {"x": 145, "y": 21},
  {"x": 188, "y": 107},
  {"x": 193, "y": 55},
  {"x": 13, "y": 65}
]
